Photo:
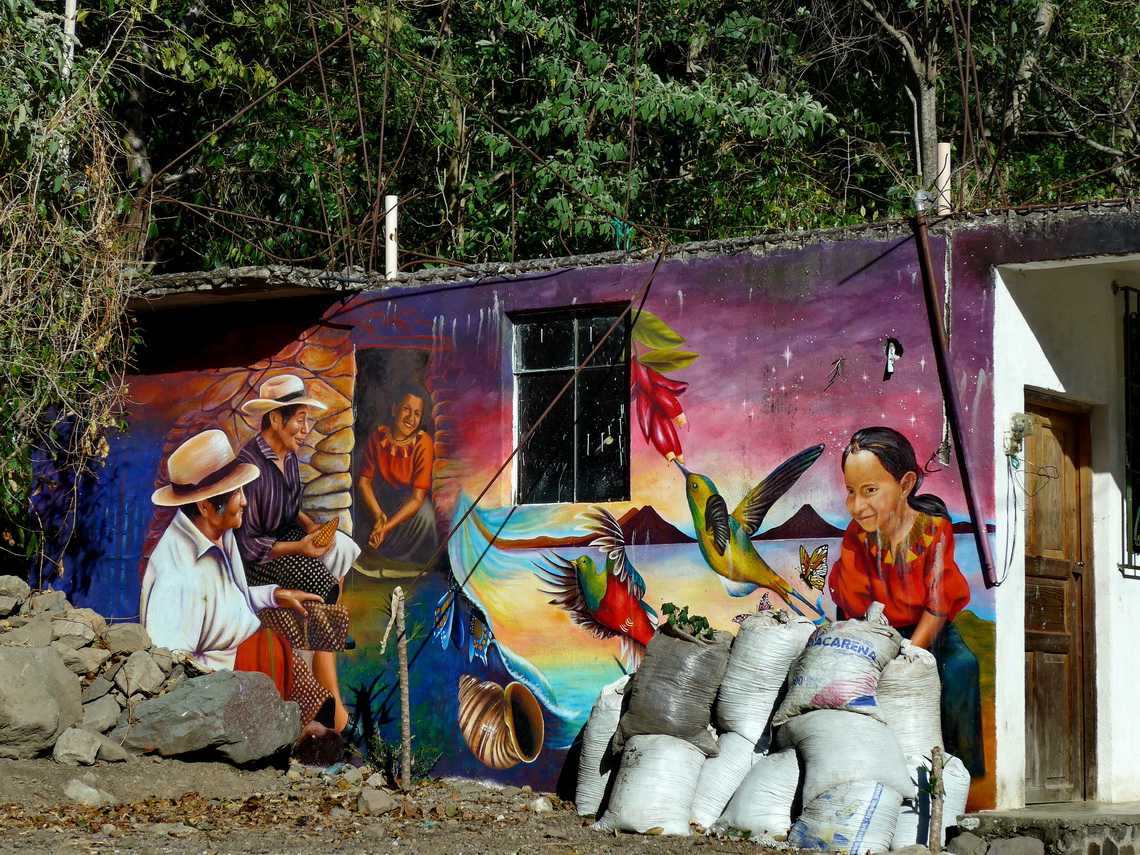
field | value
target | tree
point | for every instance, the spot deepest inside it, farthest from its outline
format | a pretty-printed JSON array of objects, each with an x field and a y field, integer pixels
[{"x": 65, "y": 260}]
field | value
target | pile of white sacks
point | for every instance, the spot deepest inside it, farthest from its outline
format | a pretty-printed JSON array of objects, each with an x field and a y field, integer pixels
[{"x": 823, "y": 737}]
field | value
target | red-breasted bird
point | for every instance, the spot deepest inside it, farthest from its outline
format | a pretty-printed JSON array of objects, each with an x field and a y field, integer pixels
[
  {"x": 726, "y": 540},
  {"x": 603, "y": 600}
]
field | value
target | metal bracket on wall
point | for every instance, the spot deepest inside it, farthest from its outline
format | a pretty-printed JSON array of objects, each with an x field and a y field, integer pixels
[{"x": 1129, "y": 571}]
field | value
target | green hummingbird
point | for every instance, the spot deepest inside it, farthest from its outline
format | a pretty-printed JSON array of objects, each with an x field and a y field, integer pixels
[{"x": 726, "y": 541}]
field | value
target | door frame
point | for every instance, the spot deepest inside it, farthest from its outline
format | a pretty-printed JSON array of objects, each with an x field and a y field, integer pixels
[{"x": 1036, "y": 397}]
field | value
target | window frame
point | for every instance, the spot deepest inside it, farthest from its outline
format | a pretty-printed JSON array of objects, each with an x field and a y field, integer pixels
[{"x": 576, "y": 314}]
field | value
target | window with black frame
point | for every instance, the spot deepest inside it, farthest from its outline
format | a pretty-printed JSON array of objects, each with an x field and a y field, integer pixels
[{"x": 580, "y": 451}]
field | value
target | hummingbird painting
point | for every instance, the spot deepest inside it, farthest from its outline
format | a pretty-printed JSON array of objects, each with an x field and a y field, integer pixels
[
  {"x": 605, "y": 601},
  {"x": 726, "y": 540}
]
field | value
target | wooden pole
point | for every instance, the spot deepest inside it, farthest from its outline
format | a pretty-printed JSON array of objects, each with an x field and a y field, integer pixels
[
  {"x": 937, "y": 796},
  {"x": 405, "y": 701}
]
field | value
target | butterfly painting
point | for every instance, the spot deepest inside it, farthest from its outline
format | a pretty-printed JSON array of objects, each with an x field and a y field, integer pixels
[
  {"x": 813, "y": 568},
  {"x": 460, "y": 622}
]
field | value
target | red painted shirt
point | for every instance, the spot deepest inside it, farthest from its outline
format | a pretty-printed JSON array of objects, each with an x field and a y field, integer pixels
[
  {"x": 400, "y": 465},
  {"x": 922, "y": 577}
]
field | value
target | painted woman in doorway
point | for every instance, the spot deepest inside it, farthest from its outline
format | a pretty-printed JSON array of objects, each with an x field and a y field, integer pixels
[
  {"x": 899, "y": 550},
  {"x": 395, "y": 481}
]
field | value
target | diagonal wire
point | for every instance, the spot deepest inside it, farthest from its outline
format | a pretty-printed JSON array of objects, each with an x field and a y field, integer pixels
[{"x": 639, "y": 301}]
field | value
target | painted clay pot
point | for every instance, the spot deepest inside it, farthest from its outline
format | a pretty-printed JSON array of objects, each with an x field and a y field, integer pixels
[{"x": 500, "y": 726}]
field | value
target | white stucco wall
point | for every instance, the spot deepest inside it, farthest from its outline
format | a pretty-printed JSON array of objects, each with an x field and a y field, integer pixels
[{"x": 1058, "y": 328}]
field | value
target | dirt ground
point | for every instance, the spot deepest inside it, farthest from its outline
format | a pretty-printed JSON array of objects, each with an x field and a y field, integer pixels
[{"x": 167, "y": 806}]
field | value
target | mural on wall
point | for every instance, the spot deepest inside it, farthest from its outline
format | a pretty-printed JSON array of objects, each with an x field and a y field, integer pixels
[{"x": 521, "y": 613}]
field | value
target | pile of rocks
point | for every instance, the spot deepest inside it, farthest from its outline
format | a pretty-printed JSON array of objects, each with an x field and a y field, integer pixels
[{"x": 84, "y": 690}]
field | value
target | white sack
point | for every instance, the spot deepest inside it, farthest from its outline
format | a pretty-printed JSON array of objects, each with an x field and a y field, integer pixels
[
  {"x": 909, "y": 698},
  {"x": 721, "y": 775},
  {"x": 837, "y": 747},
  {"x": 654, "y": 786},
  {"x": 914, "y": 819},
  {"x": 855, "y": 818},
  {"x": 765, "y": 649},
  {"x": 762, "y": 803},
  {"x": 840, "y": 667},
  {"x": 597, "y": 763}
]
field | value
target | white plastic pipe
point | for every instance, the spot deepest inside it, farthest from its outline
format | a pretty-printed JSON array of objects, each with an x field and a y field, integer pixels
[
  {"x": 390, "y": 262},
  {"x": 942, "y": 180}
]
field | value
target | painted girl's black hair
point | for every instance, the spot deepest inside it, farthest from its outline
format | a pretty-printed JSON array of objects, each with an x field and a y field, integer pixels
[
  {"x": 896, "y": 455},
  {"x": 411, "y": 388}
]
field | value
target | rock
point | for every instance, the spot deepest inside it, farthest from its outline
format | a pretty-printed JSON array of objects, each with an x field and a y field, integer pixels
[
  {"x": 235, "y": 715},
  {"x": 93, "y": 659},
  {"x": 164, "y": 659},
  {"x": 40, "y": 699},
  {"x": 140, "y": 674},
  {"x": 967, "y": 844},
  {"x": 126, "y": 638},
  {"x": 111, "y": 751},
  {"x": 70, "y": 657},
  {"x": 76, "y": 747},
  {"x": 8, "y": 605},
  {"x": 375, "y": 802},
  {"x": 48, "y": 601},
  {"x": 352, "y": 775},
  {"x": 1017, "y": 846},
  {"x": 339, "y": 813},
  {"x": 510, "y": 791},
  {"x": 101, "y": 714},
  {"x": 14, "y": 587},
  {"x": 913, "y": 849},
  {"x": 376, "y": 780},
  {"x": 96, "y": 689},
  {"x": 83, "y": 794},
  {"x": 541, "y": 805},
  {"x": 73, "y": 628},
  {"x": 36, "y": 632}
]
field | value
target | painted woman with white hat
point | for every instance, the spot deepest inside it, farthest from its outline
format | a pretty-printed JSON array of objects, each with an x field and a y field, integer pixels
[
  {"x": 195, "y": 597},
  {"x": 277, "y": 537}
]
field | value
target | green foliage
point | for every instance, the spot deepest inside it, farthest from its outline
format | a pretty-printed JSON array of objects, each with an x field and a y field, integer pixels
[
  {"x": 65, "y": 262},
  {"x": 384, "y": 756},
  {"x": 695, "y": 625}
]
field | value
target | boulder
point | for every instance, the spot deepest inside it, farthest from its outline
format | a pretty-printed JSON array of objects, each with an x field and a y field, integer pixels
[
  {"x": 8, "y": 605},
  {"x": 101, "y": 714},
  {"x": 96, "y": 689},
  {"x": 139, "y": 674},
  {"x": 73, "y": 628},
  {"x": 375, "y": 802},
  {"x": 76, "y": 747},
  {"x": 126, "y": 638},
  {"x": 235, "y": 716},
  {"x": 93, "y": 659},
  {"x": 84, "y": 794},
  {"x": 70, "y": 656},
  {"x": 14, "y": 587},
  {"x": 36, "y": 632},
  {"x": 39, "y": 699},
  {"x": 45, "y": 602}
]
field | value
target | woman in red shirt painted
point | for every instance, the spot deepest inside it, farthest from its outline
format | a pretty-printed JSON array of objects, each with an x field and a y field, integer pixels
[
  {"x": 899, "y": 550},
  {"x": 395, "y": 479}
]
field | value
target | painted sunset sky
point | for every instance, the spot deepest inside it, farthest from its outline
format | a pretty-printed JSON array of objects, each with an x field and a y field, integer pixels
[{"x": 792, "y": 358}]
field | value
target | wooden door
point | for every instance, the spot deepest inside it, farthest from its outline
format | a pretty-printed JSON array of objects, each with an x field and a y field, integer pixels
[{"x": 1058, "y": 707}]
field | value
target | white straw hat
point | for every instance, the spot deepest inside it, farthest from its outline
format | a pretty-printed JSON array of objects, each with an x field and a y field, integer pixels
[
  {"x": 203, "y": 466},
  {"x": 284, "y": 391}
]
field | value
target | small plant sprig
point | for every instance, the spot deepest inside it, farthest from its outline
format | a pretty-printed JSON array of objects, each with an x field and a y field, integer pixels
[{"x": 695, "y": 625}]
